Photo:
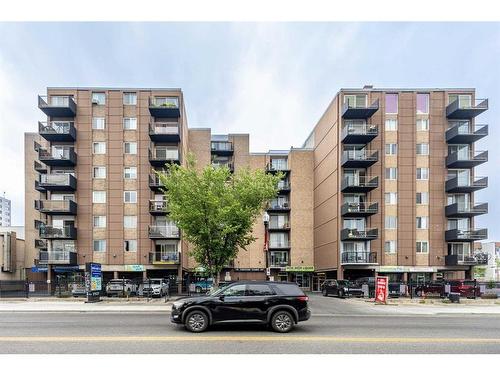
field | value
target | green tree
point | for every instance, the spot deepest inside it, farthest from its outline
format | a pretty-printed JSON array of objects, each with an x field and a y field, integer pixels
[{"x": 216, "y": 209}]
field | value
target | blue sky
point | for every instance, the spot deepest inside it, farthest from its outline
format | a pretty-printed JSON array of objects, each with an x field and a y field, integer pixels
[{"x": 272, "y": 80}]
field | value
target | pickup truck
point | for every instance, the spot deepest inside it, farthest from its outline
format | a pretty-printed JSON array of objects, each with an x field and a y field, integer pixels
[{"x": 120, "y": 287}]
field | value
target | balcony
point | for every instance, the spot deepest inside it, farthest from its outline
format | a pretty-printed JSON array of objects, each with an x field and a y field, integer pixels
[
  {"x": 155, "y": 183},
  {"x": 56, "y": 182},
  {"x": 64, "y": 158},
  {"x": 461, "y": 185},
  {"x": 164, "y": 106},
  {"x": 222, "y": 148},
  {"x": 359, "y": 257},
  {"x": 277, "y": 167},
  {"x": 278, "y": 263},
  {"x": 466, "y": 160},
  {"x": 359, "y": 158},
  {"x": 57, "y": 257},
  {"x": 359, "y": 111},
  {"x": 278, "y": 206},
  {"x": 160, "y": 157},
  {"x": 158, "y": 207},
  {"x": 466, "y": 109},
  {"x": 40, "y": 244},
  {"x": 60, "y": 207},
  {"x": 279, "y": 227},
  {"x": 359, "y": 133},
  {"x": 57, "y": 106},
  {"x": 39, "y": 167},
  {"x": 57, "y": 131},
  {"x": 159, "y": 232},
  {"x": 164, "y": 132},
  {"x": 361, "y": 184},
  {"x": 160, "y": 257},
  {"x": 358, "y": 235},
  {"x": 466, "y": 210},
  {"x": 469, "y": 235},
  {"x": 228, "y": 165},
  {"x": 284, "y": 187},
  {"x": 360, "y": 209},
  {"x": 460, "y": 134},
  {"x": 466, "y": 260},
  {"x": 279, "y": 244},
  {"x": 49, "y": 232}
]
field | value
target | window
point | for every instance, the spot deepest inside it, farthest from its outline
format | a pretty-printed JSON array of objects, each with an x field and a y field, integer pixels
[
  {"x": 259, "y": 290},
  {"x": 422, "y": 124},
  {"x": 99, "y": 172},
  {"x": 422, "y": 173},
  {"x": 391, "y": 222},
  {"x": 130, "y": 245},
  {"x": 390, "y": 247},
  {"x": 130, "y": 172},
  {"x": 235, "y": 291},
  {"x": 391, "y": 148},
  {"x": 130, "y": 197},
  {"x": 129, "y": 98},
  {"x": 423, "y": 198},
  {"x": 391, "y": 124},
  {"x": 99, "y": 147},
  {"x": 98, "y": 197},
  {"x": 422, "y": 104},
  {"x": 391, "y": 103},
  {"x": 422, "y": 222},
  {"x": 130, "y": 123},
  {"x": 98, "y": 98},
  {"x": 130, "y": 148},
  {"x": 99, "y": 245},
  {"x": 130, "y": 222},
  {"x": 422, "y": 149},
  {"x": 98, "y": 123},
  {"x": 99, "y": 221},
  {"x": 391, "y": 198},
  {"x": 422, "y": 247},
  {"x": 391, "y": 173}
]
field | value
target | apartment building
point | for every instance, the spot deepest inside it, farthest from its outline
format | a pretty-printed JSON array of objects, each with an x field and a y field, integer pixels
[
  {"x": 5, "y": 212},
  {"x": 384, "y": 184},
  {"x": 12, "y": 265},
  {"x": 394, "y": 183}
]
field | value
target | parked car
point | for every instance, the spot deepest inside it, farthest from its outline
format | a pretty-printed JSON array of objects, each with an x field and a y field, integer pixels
[
  {"x": 466, "y": 288},
  {"x": 430, "y": 288},
  {"x": 203, "y": 285},
  {"x": 281, "y": 305},
  {"x": 120, "y": 287},
  {"x": 341, "y": 288},
  {"x": 153, "y": 287}
]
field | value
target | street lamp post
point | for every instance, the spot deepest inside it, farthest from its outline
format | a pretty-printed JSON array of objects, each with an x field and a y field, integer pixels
[{"x": 265, "y": 219}]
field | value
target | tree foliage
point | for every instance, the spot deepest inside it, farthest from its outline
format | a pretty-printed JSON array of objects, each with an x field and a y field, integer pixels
[{"x": 216, "y": 209}]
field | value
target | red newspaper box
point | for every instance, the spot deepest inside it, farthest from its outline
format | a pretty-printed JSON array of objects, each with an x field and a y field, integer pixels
[{"x": 381, "y": 289}]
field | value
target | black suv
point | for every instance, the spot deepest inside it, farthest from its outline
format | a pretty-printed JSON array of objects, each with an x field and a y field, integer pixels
[
  {"x": 341, "y": 288},
  {"x": 278, "y": 304}
]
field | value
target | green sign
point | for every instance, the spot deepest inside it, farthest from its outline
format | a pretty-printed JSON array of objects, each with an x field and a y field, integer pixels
[
  {"x": 299, "y": 269},
  {"x": 134, "y": 267}
]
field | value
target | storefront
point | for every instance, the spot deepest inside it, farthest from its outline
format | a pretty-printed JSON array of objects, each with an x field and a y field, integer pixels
[{"x": 302, "y": 275}]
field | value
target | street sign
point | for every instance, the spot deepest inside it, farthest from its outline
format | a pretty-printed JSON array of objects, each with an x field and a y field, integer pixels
[{"x": 381, "y": 289}]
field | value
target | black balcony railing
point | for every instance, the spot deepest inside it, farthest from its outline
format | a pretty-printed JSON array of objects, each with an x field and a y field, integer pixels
[
  {"x": 164, "y": 132},
  {"x": 359, "y": 111},
  {"x": 57, "y": 105},
  {"x": 466, "y": 133},
  {"x": 278, "y": 263},
  {"x": 463, "y": 185},
  {"x": 58, "y": 257},
  {"x": 279, "y": 206},
  {"x": 354, "y": 209},
  {"x": 274, "y": 226},
  {"x": 56, "y": 181},
  {"x": 164, "y": 106},
  {"x": 155, "y": 183},
  {"x": 469, "y": 235},
  {"x": 58, "y": 158},
  {"x": 163, "y": 231},
  {"x": 359, "y": 158},
  {"x": 160, "y": 157},
  {"x": 229, "y": 165},
  {"x": 466, "y": 210},
  {"x": 277, "y": 167},
  {"x": 359, "y": 133},
  {"x": 466, "y": 159},
  {"x": 358, "y": 235},
  {"x": 222, "y": 147},
  {"x": 50, "y": 232},
  {"x": 164, "y": 257},
  {"x": 57, "y": 131},
  {"x": 359, "y": 257},
  {"x": 279, "y": 244},
  {"x": 56, "y": 207},
  {"x": 158, "y": 207},
  {"x": 361, "y": 184},
  {"x": 460, "y": 109},
  {"x": 466, "y": 259}
]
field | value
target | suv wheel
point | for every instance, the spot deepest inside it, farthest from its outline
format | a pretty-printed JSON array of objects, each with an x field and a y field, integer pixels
[
  {"x": 282, "y": 322},
  {"x": 325, "y": 293},
  {"x": 196, "y": 321},
  {"x": 340, "y": 293}
]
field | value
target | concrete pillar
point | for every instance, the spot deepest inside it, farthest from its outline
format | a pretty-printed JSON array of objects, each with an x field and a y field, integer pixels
[
  {"x": 115, "y": 274},
  {"x": 144, "y": 275},
  {"x": 340, "y": 273},
  {"x": 49, "y": 279},
  {"x": 179, "y": 277}
]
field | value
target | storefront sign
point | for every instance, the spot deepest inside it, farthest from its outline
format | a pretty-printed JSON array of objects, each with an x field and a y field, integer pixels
[
  {"x": 134, "y": 267},
  {"x": 299, "y": 269},
  {"x": 396, "y": 269},
  {"x": 249, "y": 269},
  {"x": 39, "y": 269},
  {"x": 381, "y": 289},
  {"x": 93, "y": 281}
]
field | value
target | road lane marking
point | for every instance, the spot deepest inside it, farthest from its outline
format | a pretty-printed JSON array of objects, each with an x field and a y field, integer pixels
[{"x": 200, "y": 338}]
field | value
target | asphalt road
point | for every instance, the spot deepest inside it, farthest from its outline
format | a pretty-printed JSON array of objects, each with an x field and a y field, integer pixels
[{"x": 336, "y": 327}]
